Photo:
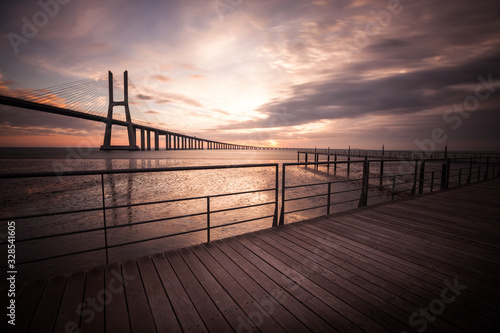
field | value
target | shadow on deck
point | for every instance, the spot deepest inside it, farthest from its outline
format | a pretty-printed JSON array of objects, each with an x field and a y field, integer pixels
[{"x": 429, "y": 263}]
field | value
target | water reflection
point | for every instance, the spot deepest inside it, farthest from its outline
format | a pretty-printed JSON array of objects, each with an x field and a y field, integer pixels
[{"x": 36, "y": 196}]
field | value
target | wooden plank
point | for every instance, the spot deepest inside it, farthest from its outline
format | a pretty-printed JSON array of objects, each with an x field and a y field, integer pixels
[
  {"x": 323, "y": 308},
  {"x": 418, "y": 283},
  {"x": 434, "y": 248},
  {"x": 162, "y": 311},
  {"x": 141, "y": 318},
  {"x": 315, "y": 285},
  {"x": 269, "y": 292},
  {"x": 252, "y": 313},
  {"x": 212, "y": 317},
  {"x": 367, "y": 276},
  {"x": 27, "y": 305},
  {"x": 92, "y": 308},
  {"x": 68, "y": 319},
  {"x": 228, "y": 306},
  {"x": 188, "y": 317},
  {"x": 46, "y": 313},
  {"x": 116, "y": 312},
  {"x": 366, "y": 302},
  {"x": 441, "y": 270},
  {"x": 394, "y": 228}
]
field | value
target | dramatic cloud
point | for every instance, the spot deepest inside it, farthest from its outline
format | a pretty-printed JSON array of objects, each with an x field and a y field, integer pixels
[{"x": 296, "y": 72}]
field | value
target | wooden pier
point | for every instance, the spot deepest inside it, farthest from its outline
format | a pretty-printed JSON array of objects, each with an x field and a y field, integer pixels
[{"x": 429, "y": 263}]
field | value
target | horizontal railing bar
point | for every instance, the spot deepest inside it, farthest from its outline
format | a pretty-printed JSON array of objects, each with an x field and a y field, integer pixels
[
  {"x": 124, "y": 171},
  {"x": 155, "y": 220},
  {"x": 303, "y": 209},
  {"x": 239, "y": 193},
  {"x": 55, "y": 235},
  {"x": 132, "y": 205},
  {"x": 158, "y": 237},
  {"x": 346, "y": 201},
  {"x": 241, "y": 207},
  {"x": 60, "y": 256},
  {"x": 324, "y": 183},
  {"x": 306, "y": 197},
  {"x": 51, "y": 214},
  {"x": 319, "y": 195},
  {"x": 347, "y": 191},
  {"x": 137, "y": 223},
  {"x": 324, "y": 162},
  {"x": 238, "y": 222}
]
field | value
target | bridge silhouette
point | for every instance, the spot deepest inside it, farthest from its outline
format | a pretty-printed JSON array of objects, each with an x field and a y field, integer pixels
[{"x": 94, "y": 99}]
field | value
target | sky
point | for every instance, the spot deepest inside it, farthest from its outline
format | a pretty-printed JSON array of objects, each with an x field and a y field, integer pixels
[{"x": 410, "y": 74}]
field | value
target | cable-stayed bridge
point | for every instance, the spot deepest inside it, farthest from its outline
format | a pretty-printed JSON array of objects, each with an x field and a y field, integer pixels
[{"x": 96, "y": 100}]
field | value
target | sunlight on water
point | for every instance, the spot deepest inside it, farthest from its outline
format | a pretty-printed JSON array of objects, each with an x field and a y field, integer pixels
[{"x": 33, "y": 196}]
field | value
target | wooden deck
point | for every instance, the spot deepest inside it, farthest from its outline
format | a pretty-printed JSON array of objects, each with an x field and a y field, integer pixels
[{"x": 367, "y": 270}]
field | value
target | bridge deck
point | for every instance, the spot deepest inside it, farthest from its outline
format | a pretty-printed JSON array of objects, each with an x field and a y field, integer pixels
[{"x": 363, "y": 270}]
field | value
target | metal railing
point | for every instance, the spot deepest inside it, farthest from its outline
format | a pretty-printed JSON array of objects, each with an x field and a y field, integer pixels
[
  {"x": 393, "y": 184},
  {"x": 403, "y": 154},
  {"x": 104, "y": 208},
  {"x": 362, "y": 176}
]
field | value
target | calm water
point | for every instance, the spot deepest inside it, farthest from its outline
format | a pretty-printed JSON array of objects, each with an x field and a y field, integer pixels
[{"x": 23, "y": 197}]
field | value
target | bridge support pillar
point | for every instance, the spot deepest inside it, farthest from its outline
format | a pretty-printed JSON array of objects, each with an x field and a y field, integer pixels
[
  {"x": 132, "y": 145},
  {"x": 149, "y": 140},
  {"x": 157, "y": 140},
  {"x": 143, "y": 146}
]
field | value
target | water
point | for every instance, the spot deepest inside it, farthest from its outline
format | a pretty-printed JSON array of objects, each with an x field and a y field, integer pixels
[{"x": 32, "y": 196}]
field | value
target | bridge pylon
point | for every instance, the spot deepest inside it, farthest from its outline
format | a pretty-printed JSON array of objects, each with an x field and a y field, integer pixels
[{"x": 112, "y": 103}]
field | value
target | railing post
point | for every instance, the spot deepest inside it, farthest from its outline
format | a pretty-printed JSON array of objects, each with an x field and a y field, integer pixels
[
  {"x": 348, "y": 165},
  {"x": 329, "y": 198},
  {"x": 335, "y": 165},
  {"x": 460, "y": 177},
  {"x": 422, "y": 178},
  {"x": 448, "y": 172},
  {"x": 283, "y": 178},
  {"x": 479, "y": 174},
  {"x": 275, "y": 218},
  {"x": 443, "y": 176},
  {"x": 363, "y": 199},
  {"x": 414, "y": 188},
  {"x": 208, "y": 218},
  {"x": 487, "y": 168},
  {"x": 104, "y": 218},
  {"x": 328, "y": 163},
  {"x": 393, "y": 187},
  {"x": 381, "y": 173},
  {"x": 432, "y": 182},
  {"x": 470, "y": 172}
]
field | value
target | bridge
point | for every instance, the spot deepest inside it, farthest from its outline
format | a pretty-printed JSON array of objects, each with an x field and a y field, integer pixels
[{"x": 94, "y": 100}]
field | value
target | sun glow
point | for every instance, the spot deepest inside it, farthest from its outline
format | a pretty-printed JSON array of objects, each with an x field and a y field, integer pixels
[{"x": 272, "y": 143}]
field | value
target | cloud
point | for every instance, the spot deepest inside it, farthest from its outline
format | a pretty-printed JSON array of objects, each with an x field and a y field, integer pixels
[
  {"x": 221, "y": 112},
  {"x": 160, "y": 77},
  {"x": 193, "y": 68},
  {"x": 177, "y": 98},
  {"x": 276, "y": 67},
  {"x": 144, "y": 97}
]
